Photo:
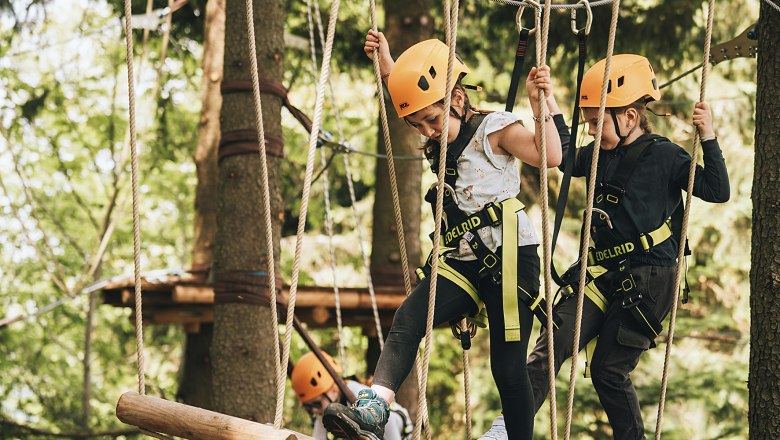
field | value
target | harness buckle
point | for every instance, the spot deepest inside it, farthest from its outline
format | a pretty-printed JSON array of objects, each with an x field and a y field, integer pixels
[
  {"x": 632, "y": 300},
  {"x": 494, "y": 213},
  {"x": 646, "y": 241}
]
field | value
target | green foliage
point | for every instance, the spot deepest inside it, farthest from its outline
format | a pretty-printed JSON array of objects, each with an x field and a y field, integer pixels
[{"x": 63, "y": 121}]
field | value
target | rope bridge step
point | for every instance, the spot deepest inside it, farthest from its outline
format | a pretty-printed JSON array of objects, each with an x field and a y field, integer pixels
[{"x": 172, "y": 418}]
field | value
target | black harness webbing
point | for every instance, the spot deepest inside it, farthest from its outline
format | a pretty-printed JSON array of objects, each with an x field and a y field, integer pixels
[
  {"x": 460, "y": 225},
  {"x": 517, "y": 70},
  {"x": 571, "y": 153}
]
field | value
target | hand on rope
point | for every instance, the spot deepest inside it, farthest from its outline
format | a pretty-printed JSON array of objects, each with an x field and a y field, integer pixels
[
  {"x": 376, "y": 41},
  {"x": 702, "y": 119},
  {"x": 539, "y": 80}
]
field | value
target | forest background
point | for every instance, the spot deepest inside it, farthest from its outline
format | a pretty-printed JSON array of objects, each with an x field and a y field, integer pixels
[{"x": 63, "y": 116}]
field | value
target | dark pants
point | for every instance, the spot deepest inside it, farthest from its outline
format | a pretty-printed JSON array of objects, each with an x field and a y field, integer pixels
[
  {"x": 617, "y": 353},
  {"x": 506, "y": 358}
]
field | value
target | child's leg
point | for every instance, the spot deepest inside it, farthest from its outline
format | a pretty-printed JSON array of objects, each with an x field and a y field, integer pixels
[
  {"x": 621, "y": 343},
  {"x": 367, "y": 419},
  {"x": 563, "y": 340},
  {"x": 507, "y": 359},
  {"x": 397, "y": 358}
]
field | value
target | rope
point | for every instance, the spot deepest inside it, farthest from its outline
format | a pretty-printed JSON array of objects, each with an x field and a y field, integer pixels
[
  {"x": 769, "y": 2},
  {"x": 344, "y": 147},
  {"x": 326, "y": 186},
  {"x": 541, "y": 60},
  {"x": 466, "y": 383},
  {"x": 588, "y": 217},
  {"x": 139, "y": 329},
  {"x": 451, "y": 30},
  {"x": 399, "y": 224},
  {"x": 353, "y": 200},
  {"x": 315, "y": 129},
  {"x": 396, "y": 204},
  {"x": 681, "y": 263},
  {"x": 566, "y": 6},
  {"x": 680, "y": 76},
  {"x": 279, "y": 372}
]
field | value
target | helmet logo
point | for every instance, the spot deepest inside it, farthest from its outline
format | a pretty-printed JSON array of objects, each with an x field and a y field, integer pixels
[{"x": 403, "y": 105}]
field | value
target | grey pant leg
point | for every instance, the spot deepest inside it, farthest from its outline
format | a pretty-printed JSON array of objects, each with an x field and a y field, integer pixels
[
  {"x": 563, "y": 341},
  {"x": 621, "y": 344}
]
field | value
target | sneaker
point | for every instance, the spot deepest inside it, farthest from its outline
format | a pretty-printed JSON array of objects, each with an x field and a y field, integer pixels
[
  {"x": 365, "y": 420},
  {"x": 497, "y": 431}
]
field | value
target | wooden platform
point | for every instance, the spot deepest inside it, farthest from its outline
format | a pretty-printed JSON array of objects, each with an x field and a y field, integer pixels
[{"x": 187, "y": 300}]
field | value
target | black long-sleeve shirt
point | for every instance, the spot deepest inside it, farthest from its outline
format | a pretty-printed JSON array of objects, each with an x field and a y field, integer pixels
[{"x": 653, "y": 191}]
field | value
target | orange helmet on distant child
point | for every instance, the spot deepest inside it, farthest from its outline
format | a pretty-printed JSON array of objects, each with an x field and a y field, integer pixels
[
  {"x": 419, "y": 76},
  {"x": 310, "y": 378},
  {"x": 631, "y": 78}
]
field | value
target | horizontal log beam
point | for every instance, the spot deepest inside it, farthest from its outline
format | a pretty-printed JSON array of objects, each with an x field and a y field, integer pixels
[{"x": 172, "y": 418}]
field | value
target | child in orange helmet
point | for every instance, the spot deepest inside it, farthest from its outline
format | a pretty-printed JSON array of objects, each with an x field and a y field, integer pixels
[
  {"x": 489, "y": 262},
  {"x": 634, "y": 235},
  {"x": 316, "y": 389}
]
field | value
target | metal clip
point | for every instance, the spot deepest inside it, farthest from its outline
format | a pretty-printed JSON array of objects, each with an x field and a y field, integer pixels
[
  {"x": 604, "y": 216},
  {"x": 588, "y": 21},
  {"x": 519, "y": 16}
]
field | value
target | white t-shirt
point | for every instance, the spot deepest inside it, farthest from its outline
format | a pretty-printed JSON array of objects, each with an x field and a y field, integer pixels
[
  {"x": 485, "y": 177},
  {"x": 398, "y": 423}
]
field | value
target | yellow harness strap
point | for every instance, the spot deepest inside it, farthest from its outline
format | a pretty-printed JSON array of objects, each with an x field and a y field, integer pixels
[{"x": 509, "y": 210}]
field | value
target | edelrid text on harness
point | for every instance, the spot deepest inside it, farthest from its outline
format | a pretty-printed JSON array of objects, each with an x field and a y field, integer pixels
[
  {"x": 611, "y": 251},
  {"x": 461, "y": 226}
]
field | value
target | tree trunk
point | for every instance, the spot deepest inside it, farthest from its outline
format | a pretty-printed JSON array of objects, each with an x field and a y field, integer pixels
[
  {"x": 242, "y": 359},
  {"x": 764, "y": 380},
  {"x": 407, "y": 22},
  {"x": 195, "y": 377},
  {"x": 195, "y": 381},
  {"x": 208, "y": 137}
]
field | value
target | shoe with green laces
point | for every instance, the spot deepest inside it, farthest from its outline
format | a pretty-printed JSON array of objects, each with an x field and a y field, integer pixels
[{"x": 365, "y": 420}]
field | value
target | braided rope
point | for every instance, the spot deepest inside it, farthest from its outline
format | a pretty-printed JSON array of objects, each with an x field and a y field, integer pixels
[
  {"x": 313, "y": 138},
  {"x": 541, "y": 60},
  {"x": 396, "y": 204},
  {"x": 451, "y": 30},
  {"x": 566, "y": 6},
  {"x": 325, "y": 182},
  {"x": 588, "y": 217},
  {"x": 399, "y": 224},
  {"x": 139, "y": 329},
  {"x": 466, "y": 383},
  {"x": 770, "y": 3},
  {"x": 684, "y": 233},
  {"x": 279, "y": 372}
]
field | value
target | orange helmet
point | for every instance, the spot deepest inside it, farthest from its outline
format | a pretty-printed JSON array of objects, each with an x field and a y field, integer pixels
[
  {"x": 631, "y": 78},
  {"x": 419, "y": 76},
  {"x": 310, "y": 378}
]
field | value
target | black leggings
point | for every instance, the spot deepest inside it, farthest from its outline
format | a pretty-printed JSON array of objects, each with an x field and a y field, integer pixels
[{"x": 507, "y": 359}]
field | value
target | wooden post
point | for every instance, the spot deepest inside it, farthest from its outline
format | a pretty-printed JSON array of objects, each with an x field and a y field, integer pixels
[{"x": 172, "y": 418}]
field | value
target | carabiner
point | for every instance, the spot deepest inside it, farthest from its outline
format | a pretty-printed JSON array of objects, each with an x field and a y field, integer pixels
[
  {"x": 519, "y": 16},
  {"x": 604, "y": 216},
  {"x": 588, "y": 21}
]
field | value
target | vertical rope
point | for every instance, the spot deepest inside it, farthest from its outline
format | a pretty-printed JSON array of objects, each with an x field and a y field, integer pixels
[
  {"x": 325, "y": 182},
  {"x": 466, "y": 382},
  {"x": 353, "y": 200},
  {"x": 399, "y": 224},
  {"x": 313, "y": 138},
  {"x": 451, "y": 30},
  {"x": 684, "y": 233},
  {"x": 396, "y": 202},
  {"x": 139, "y": 330},
  {"x": 541, "y": 128},
  {"x": 588, "y": 216}
]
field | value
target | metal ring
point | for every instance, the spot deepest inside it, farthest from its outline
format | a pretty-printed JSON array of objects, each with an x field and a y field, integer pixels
[
  {"x": 519, "y": 17},
  {"x": 602, "y": 212},
  {"x": 588, "y": 22}
]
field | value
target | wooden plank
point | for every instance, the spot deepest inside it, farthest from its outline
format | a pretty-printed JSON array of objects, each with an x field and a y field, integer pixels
[
  {"x": 184, "y": 293},
  {"x": 172, "y": 418}
]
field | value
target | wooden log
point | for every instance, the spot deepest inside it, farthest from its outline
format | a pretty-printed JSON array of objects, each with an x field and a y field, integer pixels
[{"x": 172, "y": 418}]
